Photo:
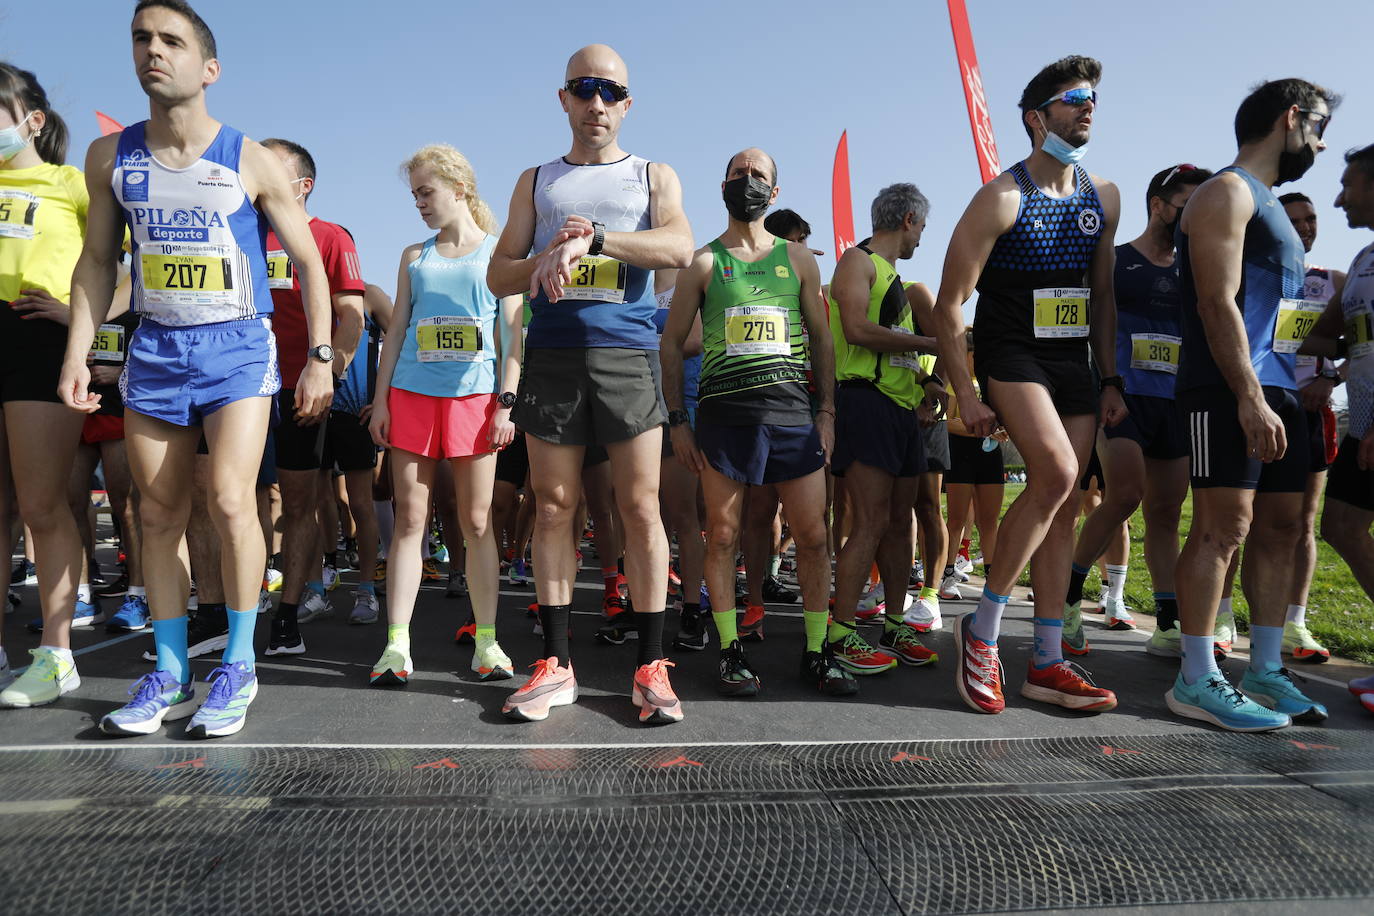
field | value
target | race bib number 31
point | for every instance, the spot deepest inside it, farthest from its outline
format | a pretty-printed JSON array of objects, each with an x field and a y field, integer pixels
[
  {"x": 598, "y": 279},
  {"x": 18, "y": 210},
  {"x": 108, "y": 344},
  {"x": 1297, "y": 318},
  {"x": 752, "y": 330},
  {"x": 449, "y": 339},
  {"x": 1061, "y": 312},
  {"x": 1359, "y": 332},
  {"x": 1156, "y": 352}
]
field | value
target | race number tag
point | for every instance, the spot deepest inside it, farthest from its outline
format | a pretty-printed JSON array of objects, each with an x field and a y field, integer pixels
[
  {"x": 1297, "y": 318},
  {"x": 753, "y": 330},
  {"x": 1156, "y": 352},
  {"x": 18, "y": 209},
  {"x": 449, "y": 339},
  {"x": 1359, "y": 332},
  {"x": 108, "y": 344},
  {"x": 188, "y": 275},
  {"x": 597, "y": 278},
  {"x": 280, "y": 271},
  {"x": 909, "y": 359},
  {"x": 1061, "y": 312}
]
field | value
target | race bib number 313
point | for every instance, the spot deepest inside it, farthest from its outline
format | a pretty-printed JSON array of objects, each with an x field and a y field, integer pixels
[
  {"x": 597, "y": 278},
  {"x": 449, "y": 339},
  {"x": 1156, "y": 352},
  {"x": 1296, "y": 319},
  {"x": 753, "y": 330},
  {"x": 1061, "y": 312}
]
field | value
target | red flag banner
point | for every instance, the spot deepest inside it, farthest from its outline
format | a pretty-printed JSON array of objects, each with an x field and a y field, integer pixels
[
  {"x": 984, "y": 144},
  {"x": 108, "y": 125},
  {"x": 841, "y": 207}
]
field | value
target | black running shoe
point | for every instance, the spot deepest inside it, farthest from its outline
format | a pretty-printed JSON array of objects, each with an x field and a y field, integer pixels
[
  {"x": 285, "y": 639},
  {"x": 777, "y": 593},
  {"x": 617, "y": 628},
  {"x": 25, "y": 573},
  {"x": 204, "y": 635},
  {"x": 691, "y": 631},
  {"x": 822, "y": 671},
  {"x": 116, "y": 589},
  {"x": 736, "y": 679}
]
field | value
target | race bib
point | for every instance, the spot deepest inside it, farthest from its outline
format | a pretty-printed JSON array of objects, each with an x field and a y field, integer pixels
[
  {"x": 597, "y": 278},
  {"x": 108, "y": 344},
  {"x": 1297, "y": 318},
  {"x": 449, "y": 339},
  {"x": 280, "y": 272},
  {"x": 752, "y": 330},
  {"x": 1156, "y": 352},
  {"x": 909, "y": 359},
  {"x": 1359, "y": 332},
  {"x": 182, "y": 274},
  {"x": 1061, "y": 312},
  {"x": 18, "y": 209}
]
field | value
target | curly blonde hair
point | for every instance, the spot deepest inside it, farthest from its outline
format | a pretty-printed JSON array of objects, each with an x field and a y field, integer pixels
[{"x": 453, "y": 168}]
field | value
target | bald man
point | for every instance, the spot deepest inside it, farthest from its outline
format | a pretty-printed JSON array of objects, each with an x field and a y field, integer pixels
[{"x": 584, "y": 235}]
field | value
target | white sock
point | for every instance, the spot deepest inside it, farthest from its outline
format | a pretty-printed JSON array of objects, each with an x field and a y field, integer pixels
[
  {"x": 138, "y": 591},
  {"x": 1224, "y": 610},
  {"x": 386, "y": 524},
  {"x": 64, "y": 654},
  {"x": 1116, "y": 581},
  {"x": 83, "y": 593},
  {"x": 1297, "y": 613}
]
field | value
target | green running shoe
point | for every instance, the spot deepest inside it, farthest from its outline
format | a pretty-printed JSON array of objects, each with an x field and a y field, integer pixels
[
  {"x": 1075, "y": 640},
  {"x": 48, "y": 677},
  {"x": 1166, "y": 643}
]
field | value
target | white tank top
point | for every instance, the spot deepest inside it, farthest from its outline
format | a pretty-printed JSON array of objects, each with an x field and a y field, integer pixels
[
  {"x": 1317, "y": 286},
  {"x": 1357, "y": 304}
]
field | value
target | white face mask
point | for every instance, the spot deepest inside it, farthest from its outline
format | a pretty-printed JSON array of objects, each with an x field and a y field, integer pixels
[{"x": 11, "y": 143}]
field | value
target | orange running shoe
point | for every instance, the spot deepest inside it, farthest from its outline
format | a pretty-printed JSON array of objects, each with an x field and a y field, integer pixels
[
  {"x": 1063, "y": 685},
  {"x": 550, "y": 686},
  {"x": 978, "y": 675},
  {"x": 751, "y": 627},
  {"x": 654, "y": 696}
]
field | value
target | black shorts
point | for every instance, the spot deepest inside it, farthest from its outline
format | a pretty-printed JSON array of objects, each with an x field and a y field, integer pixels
[
  {"x": 513, "y": 462},
  {"x": 762, "y": 454},
  {"x": 873, "y": 429},
  {"x": 1155, "y": 424},
  {"x": 1093, "y": 473},
  {"x": 969, "y": 464},
  {"x": 937, "y": 447},
  {"x": 1069, "y": 379},
  {"x": 31, "y": 355},
  {"x": 1316, "y": 443},
  {"x": 587, "y": 395},
  {"x": 1347, "y": 482},
  {"x": 299, "y": 448},
  {"x": 348, "y": 445},
  {"x": 1219, "y": 455}
]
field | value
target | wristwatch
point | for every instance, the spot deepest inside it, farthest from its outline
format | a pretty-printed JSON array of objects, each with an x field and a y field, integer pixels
[
  {"x": 678, "y": 417},
  {"x": 598, "y": 238},
  {"x": 324, "y": 353},
  {"x": 1111, "y": 381},
  {"x": 506, "y": 399}
]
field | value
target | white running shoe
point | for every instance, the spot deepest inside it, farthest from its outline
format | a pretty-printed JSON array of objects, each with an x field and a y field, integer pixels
[
  {"x": 264, "y": 601},
  {"x": 949, "y": 589},
  {"x": 1117, "y": 617},
  {"x": 962, "y": 565},
  {"x": 873, "y": 597},
  {"x": 313, "y": 607},
  {"x": 924, "y": 615}
]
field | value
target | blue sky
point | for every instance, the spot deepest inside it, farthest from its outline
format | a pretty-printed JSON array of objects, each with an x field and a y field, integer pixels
[{"x": 363, "y": 85}]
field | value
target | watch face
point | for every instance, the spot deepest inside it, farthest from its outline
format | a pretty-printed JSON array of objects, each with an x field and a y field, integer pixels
[{"x": 324, "y": 353}]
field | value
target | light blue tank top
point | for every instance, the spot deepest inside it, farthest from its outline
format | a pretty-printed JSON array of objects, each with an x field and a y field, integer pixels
[{"x": 449, "y": 350}]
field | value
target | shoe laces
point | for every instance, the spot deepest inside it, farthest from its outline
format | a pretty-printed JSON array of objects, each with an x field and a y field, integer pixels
[
  {"x": 984, "y": 661},
  {"x": 45, "y": 665},
  {"x": 224, "y": 683},
  {"x": 855, "y": 643},
  {"x": 1225, "y": 690},
  {"x": 1073, "y": 669},
  {"x": 543, "y": 667},
  {"x": 657, "y": 674},
  {"x": 905, "y": 635},
  {"x": 149, "y": 687}
]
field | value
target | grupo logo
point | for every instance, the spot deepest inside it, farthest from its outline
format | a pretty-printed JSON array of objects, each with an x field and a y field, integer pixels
[
  {"x": 135, "y": 177},
  {"x": 1089, "y": 222}
]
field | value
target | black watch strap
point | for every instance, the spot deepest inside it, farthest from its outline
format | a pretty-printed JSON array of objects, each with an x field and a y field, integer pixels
[
  {"x": 506, "y": 399},
  {"x": 598, "y": 238},
  {"x": 678, "y": 417},
  {"x": 1112, "y": 381}
]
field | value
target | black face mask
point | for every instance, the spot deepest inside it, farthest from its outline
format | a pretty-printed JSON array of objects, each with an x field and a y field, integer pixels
[
  {"x": 1293, "y": 166},
  {"x": 747, "y": 198},
  {"x": 1171, "y": 227}
]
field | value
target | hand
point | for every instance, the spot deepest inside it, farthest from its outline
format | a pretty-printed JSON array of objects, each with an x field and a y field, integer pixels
[
  {"x": 685, "y": 448},
  {"x": 105, "y": 375},
  {"x": 380, "y": 424},
  {"x": 1264, "y": 436},
  {"x": 825, "y": 428},
  {"x": 74, "y": 388},
  {"x": 39, "y": 303},
  {"x": 1365, "y": 456},
  {"x": 979, "y": 419},
  {"x": 937, "y": 399},
  {"x": 365, "y": 414},
  {"x": 575, "y": 227},
  {"x": 501, "y": 431},
  {"x": 554, "y": 265},
  {"x": 314, "y": 393},
  {"x": 1111, "y": 410},
  {"x": 925, "y": 415},
  {"x": 1317, "y": 394}
]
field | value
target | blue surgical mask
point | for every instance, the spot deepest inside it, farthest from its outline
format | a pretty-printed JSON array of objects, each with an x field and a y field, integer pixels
[
  {"x": 1060, "y": 148},
  {"x": 11, "y": 143}
]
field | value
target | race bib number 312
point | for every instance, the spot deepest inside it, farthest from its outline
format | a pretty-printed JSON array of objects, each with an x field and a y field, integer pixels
[
  {"x": 1061, "y": 312},
  {"x": 1296, "y": 319}
]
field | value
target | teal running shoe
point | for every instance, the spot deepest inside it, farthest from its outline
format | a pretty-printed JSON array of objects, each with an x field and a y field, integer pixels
[
  {"x": 232, "y": 688},
  {"x": 157, "y": 698},
  {"x": 131, "y": 617},
  {"x": 1074, "y": 639},
  {"x": 1275, "y": 690},
  {"x": 1213, "y": 699}
]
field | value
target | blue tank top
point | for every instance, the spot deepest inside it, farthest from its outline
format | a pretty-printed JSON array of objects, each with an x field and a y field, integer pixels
[
  {"x": 355, "y": 389},
  {"x": 1269, "y": 298},
  {"x": 199, "y": 245},
  {"x": 1148, "y": 336},
  {"x": 449, "y": 351},
  {"x": 608, "y": 303},
  {"x": 691, "y": 366}
]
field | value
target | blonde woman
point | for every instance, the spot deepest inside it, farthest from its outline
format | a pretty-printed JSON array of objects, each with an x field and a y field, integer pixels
[{"x": 445, "y": 389}]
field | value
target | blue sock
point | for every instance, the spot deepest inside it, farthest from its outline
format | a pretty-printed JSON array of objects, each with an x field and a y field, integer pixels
[
  {"x": 170, "y": 638},
  {"x": 1169, "y": 596},
  {"x": 1266, "y": 647},
  {"x": 240, "y": 648},
  {"x": 368, "y": 587},
  {"x": 987, "y": 619},
  {"x": 316, "y": 587},
  {"x": 1049, "y": 642},
  {"x": 1197, "y": 658}
]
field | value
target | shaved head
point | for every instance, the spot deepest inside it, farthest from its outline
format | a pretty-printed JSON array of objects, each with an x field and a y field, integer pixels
[
  {"x": 598, "y": 60},
  {"x": 752, "y": 156}
]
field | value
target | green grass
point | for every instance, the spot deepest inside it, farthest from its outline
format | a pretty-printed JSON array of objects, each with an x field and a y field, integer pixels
[{"x": 1339, "y": 613}]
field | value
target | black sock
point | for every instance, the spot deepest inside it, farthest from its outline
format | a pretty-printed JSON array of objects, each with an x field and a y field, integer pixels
[
  {"x": 620, "y": 565},
  {"x": 949, "y": 571},
  {"x": 213, "y": 614},
  {"x": 1166, "y": 613},
  {"x": 650, "y": 628},
  {"x": 987, "y": 571},
  {"x": 287, "y": 611},
  {"x": 691, "y": 608},
  {"x": 1076, "y": 580},
  {"x": 555, "y": 619}
]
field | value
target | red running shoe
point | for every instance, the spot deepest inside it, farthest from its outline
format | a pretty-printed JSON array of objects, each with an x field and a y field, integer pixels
[
  {"x": 1063, "y": 685},
  {"x": 550, "y": 686},
  {"x": 751, "y": 627},
  {"x": 978, "y": 675},
  {"x": 654, "y": 696}
]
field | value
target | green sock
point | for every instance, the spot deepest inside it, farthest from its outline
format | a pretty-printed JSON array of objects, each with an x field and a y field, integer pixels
[
  {"x": 815, "y": 622},
  {"x": 398, "y": 635},
  {"x": 929, "y": 592},
  {"x": 774, "y": 564},
  {"x": 891, "y": 622},
  {"x": 838, "y": 630},
  {"x": 725, "y": 626},
  {"x": 485, "y": 634}
]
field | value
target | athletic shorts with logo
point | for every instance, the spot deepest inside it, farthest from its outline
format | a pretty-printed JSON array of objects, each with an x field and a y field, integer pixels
[
  {"x": 1219, "y": 454},
  {"x": 587, "y": 395},
  {"x": 1155, "y": 424},
  {"x": 1347, "y": 483},
  {"x": 761, "y": 454},
  {"x": 875, "y": 430}
]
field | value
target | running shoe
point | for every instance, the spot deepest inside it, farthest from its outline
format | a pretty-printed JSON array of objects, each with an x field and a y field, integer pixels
[
  {"x": 824, "y": 672},
  {"x": 856, "y": 655},
  {"x": 1275, "y": 690},
  {"x": 284, "y": 638},
  {"x": 86, "y": 614},
  {"x": 1223, "y": 636},
  {"x": 273, "y": 579},
  {"x": 379, "y": 575},
  {"x": 466, "y": 634},
  {"x": 330, "y": 577},
  {"x": 490, "y": 663},
  {"x": 1166, "y": 643},
  {"x": 905, "y": 643},
  {"x": 924, "y": 615},
  {"x": 751, "y": 626},
  {"x": 48, "y": 677},
  {"x": 1074, "y": 640},
  {"x": 873, "y": 602},
  {"x": 1117, "y": 617},
  {"x": 457, "y": 586},
  {"x": 1065, "y": 684},
  {"x": 619, "y": 623},
  {"x": 788, "y": 565},
  {"x": 963, "y": 564},
  {"x": 429, "y": 572},
  {"x": 777, "y": 593},
  {"x": 116, "y": 589},
  {"x": 365, "y": 609},
  {"x": 232, "y": 689},
  {"x": 918, "y": 575},
  {"x": 674, "y": 583},
  {"x": 157, "y": 697},
  {"x": 313, "y": 606},
  {"x": 549, "y": 686},
  {"x": 949, "y": 589},
  {"x": 1298, "y": 642},
  {"x": 25, "y": 573},
  {"x": 392, "y": 669},
  {"x": 7, "y": 675},
  {"x": 132, "y": 616},
  {"x": 978, "y": 676},
  {"x": 264, "y": 601},
  {"x": 736, "y": 678},
  {"x": 1213, "y": 699},
  {"x": 654, "y": 696},
  {"x": 203, "y": 636},
  {"x": 14, "y": 599},
  {"x": 440, "y": 555},
  {"x": 691, "y": 631},
  {"x": 517, "y": 575}
]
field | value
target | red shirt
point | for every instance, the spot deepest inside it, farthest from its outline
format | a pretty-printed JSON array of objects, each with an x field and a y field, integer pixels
[{"x": 341, "y": 264}]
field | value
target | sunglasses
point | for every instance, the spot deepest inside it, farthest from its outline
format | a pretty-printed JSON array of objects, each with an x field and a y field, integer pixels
[
  {"x": 1181, "y": 169},
  {"x": 1074, "y": 97},
  {"x": 584, "y": 87},
  {"x": 1321, "y": 123}
]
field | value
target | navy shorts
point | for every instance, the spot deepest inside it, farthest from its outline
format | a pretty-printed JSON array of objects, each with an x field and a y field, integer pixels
[
  {"x": 1155, "y": 424},
  {"x": 1347, "y": 482},
  {"x": 875, "y": 430},
  {"x": 1219, "y": 456},
  {"x": 1093, "y": 473},
  {"x": 181, "y": 375},
  {"x": 762, "y": 454},
  {"x": 1316, "y": 443}
]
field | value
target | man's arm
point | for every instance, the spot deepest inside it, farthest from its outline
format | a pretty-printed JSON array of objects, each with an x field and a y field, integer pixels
[
  {"x": 1102, "y": 280},
  {"x": 922, "y": 301},
  {"x": 683, "y": 313},
  {"x": 849, "y": 292},
  {"x": 822, "y": 345},
  {"x": 1327, "y": 332},
  {"x": 349, "y": 315},
  {"x": 508, "y": 273},
  {"x": 378, "y": 306}
]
